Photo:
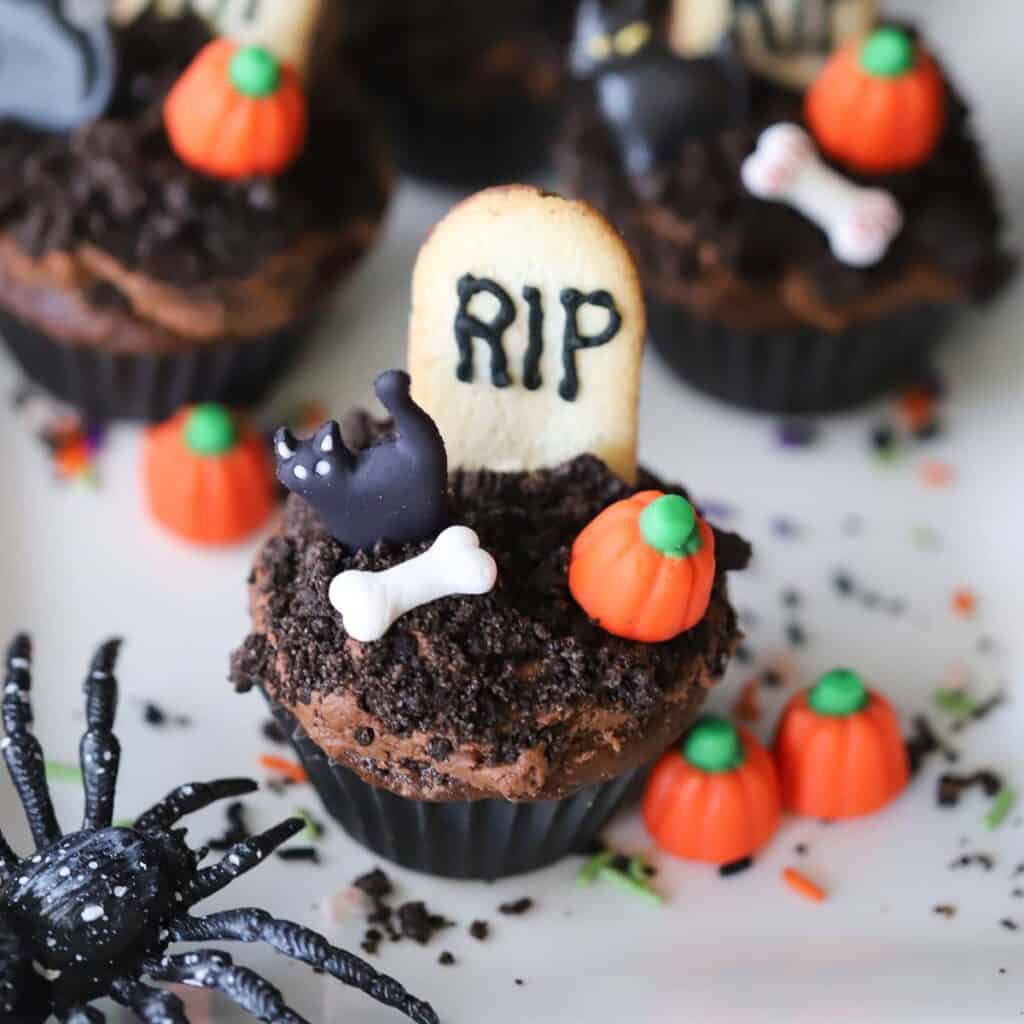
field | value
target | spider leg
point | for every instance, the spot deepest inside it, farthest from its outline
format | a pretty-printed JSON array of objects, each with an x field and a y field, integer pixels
[
  {"x": 99, "y": 751},
  {"x": 242, "y": 857},
  {"x": 149, "y": 1004},
  {"x": 21, "y": 749},
  {"x": 83, "y": 1015},
  {"x": 192, "y": 797},
  {"x": 216, "y": 970},
  {"x": 303, "y": 944}
]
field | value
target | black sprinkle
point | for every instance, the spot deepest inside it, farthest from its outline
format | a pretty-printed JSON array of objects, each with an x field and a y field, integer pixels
[
  {"x": 944, "y": 909},
  {"x": 306, "y": 854},
  {"x": 273, "y": 732},
  {"x": 951, "y": 787},
  {"x": 446, "y": 959},
  {"x": 771, "y": 678},
  {"x": 1009, "y": 924},
  {"x": 981, "y": 859},
  {"x": 983, "y": 709},
  {"x": 923, "y": 742},
  {"x": 1017, "y": 894},
  {"x": 153, "y": 714},
  {"x": 736, "y": 867},
  {"x": 237, "y": 829},
  {"x": 791, "y": 598},
  {"x": 1002, "y": 970},
  {"x": 843, "y": 583},
  {"x": 519, "y": 981},
  {"x": 1018, "y": 871},
  {"x": 883, "y": 439},
  {"x": 480, "y": 930},
  {"x": 516, "y": 907},
  {"x": 800, "y": 849},
  {"x": 795, "y": 635},
  {"x": 371, "y": 941}
]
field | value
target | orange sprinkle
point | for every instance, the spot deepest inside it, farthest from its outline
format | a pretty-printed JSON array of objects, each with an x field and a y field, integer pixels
[
  {"x": 746, "y": 708},
  {"x": 281, "y": 766},
  {"x": 72, "y": 458},
  {"x": 802, "y": 885},
  {"x": 917, "y": 408},
  {"x": 964, "y": 602},
  {"x": 937, "y": 474}
]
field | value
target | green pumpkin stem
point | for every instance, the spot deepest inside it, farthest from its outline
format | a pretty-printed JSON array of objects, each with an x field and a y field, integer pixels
[
  {"x": 210, "y": 430},
  {"x": 669, "y": 525},
  {"x": 887, "y": 53},
  {"x": 713, "y": 745},
  {"x": 254, "y": 71},
  {"x": 838, "y": 693}
]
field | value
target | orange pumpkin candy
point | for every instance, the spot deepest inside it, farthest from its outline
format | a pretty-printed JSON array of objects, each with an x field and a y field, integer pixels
[
  {"x": 839, "y": 750},
  {"x": 644, "y": 567},
  {"x": 714, "y": 798},
  {"x": 879, "y": 104},
  {"x": 236, "y": 112},
  {"x": 204, "y": 480}
]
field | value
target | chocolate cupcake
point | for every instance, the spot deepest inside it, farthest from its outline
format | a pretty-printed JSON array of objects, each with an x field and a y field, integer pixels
[
  {"x": 469, "y": 91},
  {"x": 477, "y": 665},
  {"x": 147, "y": 260},
  {"x": 805, "y": 249}
]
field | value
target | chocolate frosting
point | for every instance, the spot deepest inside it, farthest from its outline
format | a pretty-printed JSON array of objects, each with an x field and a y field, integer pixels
[
  {"x": 115, "y": 186},
  {"x": 703, "y": 242},
  {"x": 513, "y": 693}
]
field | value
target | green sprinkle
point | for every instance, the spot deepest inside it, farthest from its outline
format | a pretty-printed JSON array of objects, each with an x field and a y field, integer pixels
[
  {"x": 629, "y": 884},
  {"x": 633, "y": 880},
  {"x": 59, "y": 771},
  {"x": 592, "y": 867},
  {"x": 313, "y": 831},
  {"x": 1001, "y": 804},
  {"x": 955, "y": 702}
]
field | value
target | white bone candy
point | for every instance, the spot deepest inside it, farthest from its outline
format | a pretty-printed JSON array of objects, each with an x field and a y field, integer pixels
[
  {"x": 860, "y": 222},
  {"x": 371, "y": 602}
]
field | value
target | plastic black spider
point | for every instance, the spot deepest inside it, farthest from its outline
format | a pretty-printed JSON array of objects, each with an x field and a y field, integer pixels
[{"x": 91, "y": 913}]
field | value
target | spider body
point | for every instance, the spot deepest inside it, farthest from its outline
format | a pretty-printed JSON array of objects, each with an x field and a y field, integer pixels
[{"x": 89, "y": 914}]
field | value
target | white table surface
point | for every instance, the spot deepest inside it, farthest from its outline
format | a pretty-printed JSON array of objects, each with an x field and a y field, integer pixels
[{"x": 77, "y": 565}]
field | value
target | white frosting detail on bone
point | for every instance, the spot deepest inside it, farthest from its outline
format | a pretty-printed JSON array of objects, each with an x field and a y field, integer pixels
[
  {"x": 371, "y": 602},
  {"x": 860, "y": 222}
]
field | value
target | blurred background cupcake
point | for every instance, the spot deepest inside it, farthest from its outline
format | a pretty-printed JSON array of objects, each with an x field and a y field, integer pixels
[
  {"x": 169, "y": 230},
  {"x": 470, "y": 91},
  {"x": 809, "y": 268}
]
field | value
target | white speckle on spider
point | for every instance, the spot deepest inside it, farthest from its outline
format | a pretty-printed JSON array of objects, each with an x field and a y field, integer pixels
[
  {"x": 120, "y": 890},
  {"x": 93, "y": 912},
  {"x": 301, "y": 473},
  {"x": 64, "y": 872},
  {"x": 323, "y": 468},
  {"x": 44, "y": 972}
]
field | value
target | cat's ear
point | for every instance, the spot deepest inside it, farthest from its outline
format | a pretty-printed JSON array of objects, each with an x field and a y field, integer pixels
[
  {"x": 327, "y": 440},
  {"x": 285, "y": 445}
]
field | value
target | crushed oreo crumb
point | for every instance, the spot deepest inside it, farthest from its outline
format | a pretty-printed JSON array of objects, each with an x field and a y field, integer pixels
[
  {"x": 273, "y": 732},
  {"x": 1009, "y": 924},
  {"x": 967, "y": 860},
  {"x": 951, "y": 787},
  {"x": 944, "y": 909},
  {"x": 480, "y": 930},
  {"x": 418, "y": 924},
  {"x": 446, "y": 959}
]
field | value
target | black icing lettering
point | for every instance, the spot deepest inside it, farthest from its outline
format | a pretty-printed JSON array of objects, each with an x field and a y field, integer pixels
[
  {"x": 468, "y": 327},
  {"x": 573, "y": 301},
  {"x": 535, "y": 343}
]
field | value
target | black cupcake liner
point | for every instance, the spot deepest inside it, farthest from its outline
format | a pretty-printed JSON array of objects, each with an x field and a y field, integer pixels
[
  {"x": 152, "y": 386},
  {"x": 801, "y": 371},
  {"x": 503, "y": 142},
  {"x": 466, "y": 839}
]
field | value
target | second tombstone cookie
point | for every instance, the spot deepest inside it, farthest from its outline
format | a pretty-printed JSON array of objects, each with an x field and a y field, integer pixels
[{"x": 526, "y": 334}]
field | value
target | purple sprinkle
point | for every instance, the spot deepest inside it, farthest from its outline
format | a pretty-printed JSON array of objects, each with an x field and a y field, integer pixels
[
  {"x": 796, "y": 433},
  {"x": 785, "y": 528},
  {"x": 718, "y": 510}
]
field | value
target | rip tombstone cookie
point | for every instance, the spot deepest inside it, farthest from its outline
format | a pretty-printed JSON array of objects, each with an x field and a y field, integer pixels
[{"x": 527, "y": 332}]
